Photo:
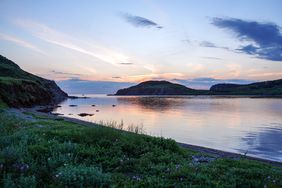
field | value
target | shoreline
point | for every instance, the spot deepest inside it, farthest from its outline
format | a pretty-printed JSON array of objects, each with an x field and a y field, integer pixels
[
  {"x": 203, "y": 95},
  {"x": 202, "y": 149}
]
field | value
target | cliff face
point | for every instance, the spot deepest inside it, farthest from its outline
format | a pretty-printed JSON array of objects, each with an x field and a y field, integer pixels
[
  {"x": 19, "y": 88},
  {"x": 156, "y": 88}
]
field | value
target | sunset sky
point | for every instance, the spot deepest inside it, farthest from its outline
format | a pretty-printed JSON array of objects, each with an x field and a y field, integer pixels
[{"x": 132, "y": 41}]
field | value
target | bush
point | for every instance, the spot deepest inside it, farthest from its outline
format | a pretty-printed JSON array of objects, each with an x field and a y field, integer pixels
[{"x": 81, "y": 176}]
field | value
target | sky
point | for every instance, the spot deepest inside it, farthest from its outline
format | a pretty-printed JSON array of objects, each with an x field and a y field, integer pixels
[{"x": 196, "y": 43}]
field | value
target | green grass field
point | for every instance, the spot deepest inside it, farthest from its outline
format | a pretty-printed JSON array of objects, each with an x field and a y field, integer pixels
[{"x": 56, "y": 153}]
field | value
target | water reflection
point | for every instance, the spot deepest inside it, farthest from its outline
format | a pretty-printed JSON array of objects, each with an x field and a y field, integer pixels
[
  {"x": 230, "y": 124},
  {"x": 266, "y": 143}
]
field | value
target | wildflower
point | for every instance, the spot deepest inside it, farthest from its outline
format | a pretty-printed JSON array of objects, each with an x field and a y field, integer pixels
[
  {"x": 136, "y": 178},
  {"x": 177, "y": 166},
  {"x": 58, "y": 175}
]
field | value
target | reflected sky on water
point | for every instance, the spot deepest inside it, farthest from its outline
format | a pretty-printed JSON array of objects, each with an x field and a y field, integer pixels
[{"x": 252, "y": 125}]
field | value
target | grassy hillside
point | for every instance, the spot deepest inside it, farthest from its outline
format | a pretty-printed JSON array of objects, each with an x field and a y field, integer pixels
[
  {"x": 56, "y": 153},
  {"x": 259, "y": 88},
  {"x": 167, "y": 88},
  {"x": 158, "y": 88},
  {"x": 20, "y": 88}
]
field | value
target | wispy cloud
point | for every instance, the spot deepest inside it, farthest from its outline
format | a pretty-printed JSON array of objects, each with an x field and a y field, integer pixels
[
  {"x": 65, "y": 73},
  {"x": 60, "y": 75},
  {"x": 215, "y": 58},
  {"x": 63, "y": 40},
  {"x": 153, "y": 76},
  {"x": 265, "y": 39},
  {"x": 139, "y": 21},
  {"x": 20, "y": 42},
  {"x": 207, "y": 82},
  {"x": 126, "y": 63},
  {"x": 207, "y": 44},
  {"x": 211, "y": 45}
]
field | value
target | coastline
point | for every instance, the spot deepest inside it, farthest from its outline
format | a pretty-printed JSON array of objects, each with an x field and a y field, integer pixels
[
  {"x": 202, "y": 95},
  {"x": 206, "y": 150},
  {"x": 72, "y": 152}
]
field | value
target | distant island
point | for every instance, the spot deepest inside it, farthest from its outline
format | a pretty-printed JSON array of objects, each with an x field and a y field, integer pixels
[
  {"x": 159, "y": 88},
  {"x": 266, "y": 88}
]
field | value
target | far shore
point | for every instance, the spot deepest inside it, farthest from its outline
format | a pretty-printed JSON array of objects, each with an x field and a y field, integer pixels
[{"x": 208, "y": 95}]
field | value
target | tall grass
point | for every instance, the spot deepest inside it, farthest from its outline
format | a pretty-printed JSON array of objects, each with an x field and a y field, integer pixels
[
  {"x": 51, "y": 153},
  {"x": 137, "y": 129}
]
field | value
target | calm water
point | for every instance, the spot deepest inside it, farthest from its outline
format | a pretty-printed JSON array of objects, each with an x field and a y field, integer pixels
[{"x": 229, "y": 124}]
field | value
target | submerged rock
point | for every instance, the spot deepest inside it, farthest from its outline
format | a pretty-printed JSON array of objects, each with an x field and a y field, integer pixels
[{"x": 85, "y": 114}]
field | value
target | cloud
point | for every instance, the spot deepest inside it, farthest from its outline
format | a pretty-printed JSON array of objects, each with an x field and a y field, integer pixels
[
  {"x": 206, "y": 82},
  {"x": 211, "y": 45},
  {"x": 52, "y": 36},
  {"x": 20, "y": 42},
  {"x": 126, "y": 63},
  {"x": 154, "y": 76},
  {"x": 207, "y": 44},
  {"x": 92, "y": 86},
  {"x": 265, "y": 39},
  {"x": 65, "y": 73},
  {"x": 215, "y": 58},
  {"x": 60, "y": 75},
  {"x": 138, "y": 21}
]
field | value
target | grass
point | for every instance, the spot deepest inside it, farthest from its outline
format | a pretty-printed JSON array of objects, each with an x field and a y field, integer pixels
[
  {"x": 2, "y": 104},
  {"x": 53, "y": 153}
]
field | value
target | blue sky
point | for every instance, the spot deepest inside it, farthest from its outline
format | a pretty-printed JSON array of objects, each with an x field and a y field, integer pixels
[{"x": 132, "y": 41}]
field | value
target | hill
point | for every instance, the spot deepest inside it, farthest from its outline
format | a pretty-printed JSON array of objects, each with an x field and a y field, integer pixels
[
  {"x": 158, "y": 88},
  {"x": 19, "y": 88},
  {"x": 273, "y": 87},
  {"x": 266, "y": 88}
]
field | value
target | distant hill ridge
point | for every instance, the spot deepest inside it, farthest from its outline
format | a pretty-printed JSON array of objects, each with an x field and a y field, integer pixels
[
  {"x": 20, "y": 88},
  {"x": 273, "y": 87},
  {"x": 157, "y": 88},
  {"x": 167, "y": 88}
]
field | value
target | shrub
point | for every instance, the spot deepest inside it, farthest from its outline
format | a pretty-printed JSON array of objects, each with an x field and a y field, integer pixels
[{"x": 81, "y": 176}]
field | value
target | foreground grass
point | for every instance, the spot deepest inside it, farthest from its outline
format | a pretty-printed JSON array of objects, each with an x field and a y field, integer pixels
[{"x": 56, "y": 153}]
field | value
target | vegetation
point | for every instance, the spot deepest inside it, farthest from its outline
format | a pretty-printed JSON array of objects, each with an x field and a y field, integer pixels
[
  {"x": 20, "y": 88},
  {"x": 159, "y": 88},
  {"x": 58, "y": 153},
  {"x": 166, "y": 88},
  {"x": 259, "y": 88}
]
